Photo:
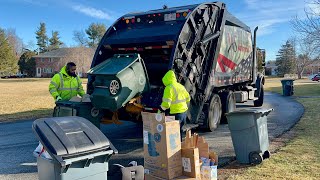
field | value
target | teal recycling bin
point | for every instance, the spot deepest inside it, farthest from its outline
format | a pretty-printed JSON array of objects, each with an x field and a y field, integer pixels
[
  {"x": 77, "y": 148},
  {"x": 287, "y": 87},
  {"x": 249, "y": 134}
]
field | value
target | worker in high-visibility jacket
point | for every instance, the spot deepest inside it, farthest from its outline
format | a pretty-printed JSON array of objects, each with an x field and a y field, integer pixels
[
  {"x": 66, "y": 84},
  {"x": 175, "y": 97}
]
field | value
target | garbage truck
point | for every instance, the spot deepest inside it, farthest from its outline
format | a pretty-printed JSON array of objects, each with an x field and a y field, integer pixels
[{"x": 212, "y": 53}]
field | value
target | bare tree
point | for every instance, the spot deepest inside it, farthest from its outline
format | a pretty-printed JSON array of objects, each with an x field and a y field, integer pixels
[
  {"x": 306, "y": 51},
  {"x": 81, "y": 56},
  {"x": 14, "y": 41},
  {"x": 80, "y": 38},
  {"x": 309, "y": 27}
]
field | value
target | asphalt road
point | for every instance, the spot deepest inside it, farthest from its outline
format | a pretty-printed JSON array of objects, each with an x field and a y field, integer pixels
[{"x": 17, "y": 140}]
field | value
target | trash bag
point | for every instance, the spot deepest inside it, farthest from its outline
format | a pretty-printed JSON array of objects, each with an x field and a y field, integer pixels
[{"x": 40, "y": 151}]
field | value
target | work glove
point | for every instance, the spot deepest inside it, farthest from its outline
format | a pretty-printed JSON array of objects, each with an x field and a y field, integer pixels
[
  {"x": 58, "y": 98},
  {"x": 160, "y": 110}
]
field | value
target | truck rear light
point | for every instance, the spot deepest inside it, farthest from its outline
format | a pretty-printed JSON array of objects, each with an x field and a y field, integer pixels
[
  {"x": 178, "y": 15},
  {"x": 185, "y": 14},
  {"x": 133, "y": 20}
]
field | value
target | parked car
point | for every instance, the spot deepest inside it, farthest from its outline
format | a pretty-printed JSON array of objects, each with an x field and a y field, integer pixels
[
  {"x": 316, "y": 77},
  {"x": 18, "y": 75}
]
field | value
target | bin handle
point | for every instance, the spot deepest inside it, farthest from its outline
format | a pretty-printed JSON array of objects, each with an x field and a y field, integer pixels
[
  {"x": 267, "y": 112},
  {"x": 115, "y": 151},
  {"x": 90, "y": 156}
]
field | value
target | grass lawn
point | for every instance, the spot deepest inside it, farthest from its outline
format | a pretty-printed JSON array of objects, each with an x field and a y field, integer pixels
[
  {"x": 300, "y": 157},
  {"x": 25, "y": 99}
]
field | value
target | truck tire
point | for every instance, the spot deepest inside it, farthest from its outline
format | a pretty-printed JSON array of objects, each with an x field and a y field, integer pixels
[
  {"x": 214, "y": 113},
  {"x": 259, "y": 101},
  {"x": 228, "y": 101}
]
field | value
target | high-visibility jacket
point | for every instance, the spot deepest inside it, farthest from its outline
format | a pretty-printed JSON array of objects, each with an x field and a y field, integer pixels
[
  {"x": 65, "y": 86},
  {"x": 175, "y": 96}
]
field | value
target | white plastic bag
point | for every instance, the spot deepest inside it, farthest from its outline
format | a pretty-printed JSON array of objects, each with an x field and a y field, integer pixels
[{"x": 40, "y": 151}]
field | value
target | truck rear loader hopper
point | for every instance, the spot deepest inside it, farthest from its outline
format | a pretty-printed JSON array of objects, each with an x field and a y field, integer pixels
[{"x": 210, "y": 51}]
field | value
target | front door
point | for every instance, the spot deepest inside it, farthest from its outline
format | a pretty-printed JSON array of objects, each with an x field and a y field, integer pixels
[{"x": 38, "y": 72}]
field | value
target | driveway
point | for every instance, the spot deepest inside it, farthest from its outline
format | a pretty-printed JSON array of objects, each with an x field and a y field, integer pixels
[{"x": 17, "y": 141}]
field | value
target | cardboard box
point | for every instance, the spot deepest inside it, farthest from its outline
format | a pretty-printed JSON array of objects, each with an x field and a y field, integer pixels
[
  {"x": 190, "y": 162},
  {"x": 209, "y": 172},
  {"x": 162, "y": 146}
]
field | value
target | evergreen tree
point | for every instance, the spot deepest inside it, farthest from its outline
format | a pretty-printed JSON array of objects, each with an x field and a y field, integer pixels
[
  {"x": 285, "y": 60},
  {"x": 95, "y": 33},
  {"x": 42, "y": 38},
  {"x": 8, "y": 60},
  {"x": 27, "y": 63},
  {"x": 54, "y": 41},
  {"x": 261, "y": 59}
]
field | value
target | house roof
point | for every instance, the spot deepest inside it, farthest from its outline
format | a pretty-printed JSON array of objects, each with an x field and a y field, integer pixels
[
  {"x": 62, "y": 52},
  {"x": 271, "y": 64}
]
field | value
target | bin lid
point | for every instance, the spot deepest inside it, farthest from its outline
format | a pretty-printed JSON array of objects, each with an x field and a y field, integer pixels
[
  {"x": 114, "y": 65},
  {"x": 69, "y": 136},
  {"x": 250, "y": 111}
]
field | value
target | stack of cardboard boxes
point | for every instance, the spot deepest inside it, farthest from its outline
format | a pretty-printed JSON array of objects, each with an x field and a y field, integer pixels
[{"x": 165, "y": 157}]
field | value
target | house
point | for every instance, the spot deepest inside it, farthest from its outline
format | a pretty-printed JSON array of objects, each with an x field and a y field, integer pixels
[
  {"x": 270, "y": 68},
  {"x": 313, "y": 68},
  {"x": 49, "y": 63}
]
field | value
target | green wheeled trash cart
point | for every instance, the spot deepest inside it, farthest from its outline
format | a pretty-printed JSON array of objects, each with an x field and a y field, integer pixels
[
  {"x": 249, "y": 134},
  {"x": 287, "y": 87},
  {"x": 77, "y": 149},
  {"x": 81, "y": 109}
]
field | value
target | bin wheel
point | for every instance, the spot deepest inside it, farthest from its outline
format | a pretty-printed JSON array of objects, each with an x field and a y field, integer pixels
[
  {"x": 255, "y": 158},
  {"x": 214, "y": 112},
  {"x": 228, "y": 101},
  {"x": 94, "y": 112},
  {"x": 259, "y": 101},
  {"x": 266, "y": 155}
]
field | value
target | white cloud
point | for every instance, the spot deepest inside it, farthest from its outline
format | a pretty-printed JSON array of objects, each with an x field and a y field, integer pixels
[
  {"x": 269, "y": 13},
  {"x": 90, "y": 11}
]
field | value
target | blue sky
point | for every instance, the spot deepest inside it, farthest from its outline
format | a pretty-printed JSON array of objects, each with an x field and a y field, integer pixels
[{"x": 65, "y": 16}]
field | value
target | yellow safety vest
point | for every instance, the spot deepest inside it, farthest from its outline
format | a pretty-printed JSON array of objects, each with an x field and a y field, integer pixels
[
  {"x": 175, "y": 95},
  {"x": 65, "y": 86}
]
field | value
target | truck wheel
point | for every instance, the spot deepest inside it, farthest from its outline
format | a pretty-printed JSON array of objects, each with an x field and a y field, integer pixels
[
  {"x": 228, "y": 104},
  {"x": 214, "y": 113},
  {"x": 259, "y": 101}
]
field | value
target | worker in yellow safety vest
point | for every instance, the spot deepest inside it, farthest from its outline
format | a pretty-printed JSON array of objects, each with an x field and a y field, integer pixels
[
  {"x": 175, "y": 98},
  {"x": 66, "y": 84}
]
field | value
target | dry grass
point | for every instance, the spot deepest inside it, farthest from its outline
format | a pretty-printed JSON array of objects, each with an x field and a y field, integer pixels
[
  {"x": 300, "y": 157},
  {"x": 25, "y": 99}
]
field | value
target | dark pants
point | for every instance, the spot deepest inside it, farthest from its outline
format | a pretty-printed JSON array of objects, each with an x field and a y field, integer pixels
[{"x": 182, "y": 118}]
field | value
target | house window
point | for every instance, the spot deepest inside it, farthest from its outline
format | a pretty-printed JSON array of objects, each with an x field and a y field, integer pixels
[
  {"x": 49, "y": 70},
  {"x": 44, "y": 70},
  {"x": 319, "y": 70},
  {"x": 50, "y": 59},
  {"x": 42, "y": 59},
  {"x": 39, "y": 70}
]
